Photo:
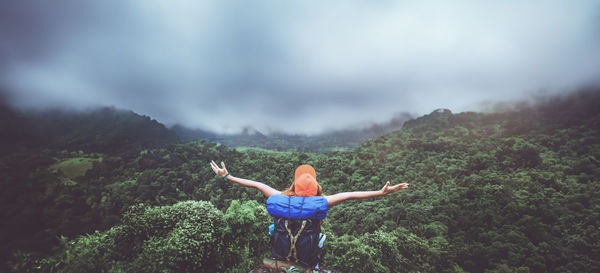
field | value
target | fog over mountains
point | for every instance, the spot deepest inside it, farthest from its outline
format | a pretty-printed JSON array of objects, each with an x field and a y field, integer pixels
[
  {"x": 112, "y": 129},
  {"x": 297, "y": 67}
]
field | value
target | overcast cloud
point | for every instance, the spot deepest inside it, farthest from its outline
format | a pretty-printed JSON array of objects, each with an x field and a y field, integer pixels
[{"x": 294, "y": 66}]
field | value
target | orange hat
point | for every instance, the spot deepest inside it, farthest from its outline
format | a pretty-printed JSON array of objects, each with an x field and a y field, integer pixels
[{"x": 305, "y": 181}]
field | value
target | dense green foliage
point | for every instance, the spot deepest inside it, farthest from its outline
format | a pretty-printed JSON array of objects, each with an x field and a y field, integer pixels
[
  {"x": 189, "y": 236},
  {"x": 514, "y": 191}
]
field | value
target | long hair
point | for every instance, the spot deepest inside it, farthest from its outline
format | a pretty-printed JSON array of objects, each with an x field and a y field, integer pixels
[{"x": 292, "y": 191}]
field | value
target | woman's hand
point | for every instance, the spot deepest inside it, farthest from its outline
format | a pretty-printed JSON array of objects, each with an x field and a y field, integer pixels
[
  {"x": 266, "y": 190},
  {"x": 219, "y": 171},
  {"x": 387, "y": 189},
  {"x": 335, "y": 199}
]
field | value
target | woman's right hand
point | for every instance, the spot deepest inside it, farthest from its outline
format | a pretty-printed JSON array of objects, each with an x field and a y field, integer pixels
[{"x": 219, "y": 171}]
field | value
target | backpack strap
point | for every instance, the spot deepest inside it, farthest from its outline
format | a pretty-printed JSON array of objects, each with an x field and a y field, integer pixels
[{"x": 293, "y": 239}]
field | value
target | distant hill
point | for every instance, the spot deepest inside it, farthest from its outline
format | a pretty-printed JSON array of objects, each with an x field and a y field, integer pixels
[
  {"x": 110, "y": 129},
  {"x": 101, "y": 130},
  {"x": 328, "y": 141}
]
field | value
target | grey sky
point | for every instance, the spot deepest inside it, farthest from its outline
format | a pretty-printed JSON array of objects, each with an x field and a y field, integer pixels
[{"x": 296, "y": 66}]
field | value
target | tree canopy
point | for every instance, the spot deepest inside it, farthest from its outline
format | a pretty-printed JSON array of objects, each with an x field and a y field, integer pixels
[{"x": 510, "y": 191}]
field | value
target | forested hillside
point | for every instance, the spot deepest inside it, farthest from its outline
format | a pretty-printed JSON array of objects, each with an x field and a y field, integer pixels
[
  {"x": 513, "y": 191},
  {"x": 106, "y": 130}
]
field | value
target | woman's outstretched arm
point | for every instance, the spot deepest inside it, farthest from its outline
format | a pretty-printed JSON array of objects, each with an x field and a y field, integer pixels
[
  {"x": 266, "y": 190},
  {"x": 338, "y": 198}
]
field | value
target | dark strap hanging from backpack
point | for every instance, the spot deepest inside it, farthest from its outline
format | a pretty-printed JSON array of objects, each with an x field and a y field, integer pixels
[
  {"x": 296, "y": 240},
  {"x": 293, "y": 238}
]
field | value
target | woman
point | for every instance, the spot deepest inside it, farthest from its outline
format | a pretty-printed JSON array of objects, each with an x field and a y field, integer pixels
[
  {"x": 298, "y": 212},
  {"x": 332, "y": 200}
]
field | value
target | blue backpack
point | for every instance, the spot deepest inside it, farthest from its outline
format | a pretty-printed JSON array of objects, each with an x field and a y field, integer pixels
[{"x": 297, "y": 228}]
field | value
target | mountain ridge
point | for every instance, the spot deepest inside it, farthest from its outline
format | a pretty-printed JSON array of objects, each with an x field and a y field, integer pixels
[
  {"x": 333, "y": 140},
  {"x": 109, "y": 128}
]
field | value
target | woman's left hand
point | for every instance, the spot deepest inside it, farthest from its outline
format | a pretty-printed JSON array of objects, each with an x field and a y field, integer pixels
[{"x": 387, "y": 189}]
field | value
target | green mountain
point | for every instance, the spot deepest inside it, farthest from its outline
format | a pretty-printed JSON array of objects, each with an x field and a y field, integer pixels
[
  {"x": 511, "y": 191},
  {"x": 100, "y": 130}
]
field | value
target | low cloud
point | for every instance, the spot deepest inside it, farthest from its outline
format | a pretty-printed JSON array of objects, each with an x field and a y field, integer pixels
[{"x": 300, "y": 66}]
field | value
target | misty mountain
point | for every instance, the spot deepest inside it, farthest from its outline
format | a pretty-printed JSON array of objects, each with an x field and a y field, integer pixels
[
  {"x": 338, "y": 139},
  {"x": 111, "y": 129},
  {"x": 100, "y": 130}
]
